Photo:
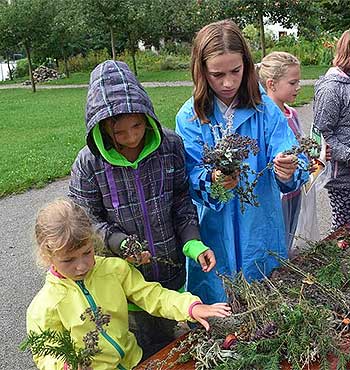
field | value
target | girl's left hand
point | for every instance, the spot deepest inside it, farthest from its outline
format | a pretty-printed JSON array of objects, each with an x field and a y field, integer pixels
[
  {"x": 201, "y": 312},
  {"x": 285, "y": 166},
  {"x": 207, "y": 260}
]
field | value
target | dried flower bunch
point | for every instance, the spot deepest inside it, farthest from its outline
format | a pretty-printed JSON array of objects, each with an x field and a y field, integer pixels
[
  {"x": 309, "y": 147},
  {"x": 60, "y": 345},
  {"x": 133, "y": 247},
  {"x": 229, "y": 154},
  {"x": 301, "y": 314}
]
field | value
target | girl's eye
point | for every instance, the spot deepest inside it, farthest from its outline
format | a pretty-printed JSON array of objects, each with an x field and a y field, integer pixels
[{"x": 88, "y": 252}]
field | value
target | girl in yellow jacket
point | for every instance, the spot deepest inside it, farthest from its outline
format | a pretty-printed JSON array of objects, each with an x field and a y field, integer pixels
[{"x": 78, "y": 280}]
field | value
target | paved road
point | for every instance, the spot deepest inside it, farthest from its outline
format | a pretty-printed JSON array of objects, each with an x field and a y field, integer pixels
[{"x": 19, "y": 276}]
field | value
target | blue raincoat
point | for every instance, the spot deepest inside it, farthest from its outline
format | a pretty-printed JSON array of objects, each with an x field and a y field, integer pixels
[{"x": 241, "y": 241}]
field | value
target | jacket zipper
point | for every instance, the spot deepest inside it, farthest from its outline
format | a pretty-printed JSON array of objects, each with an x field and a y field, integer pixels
[
  {"x": 147, "y": 224},
  {"x": 93, "y": 306}
]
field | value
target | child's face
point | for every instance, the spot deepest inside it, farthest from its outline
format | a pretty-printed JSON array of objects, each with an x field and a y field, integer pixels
[
  {"x": 127, "y": 131},
  {"x": 287, "y": 87},
  {"x": 75, "y": 264},
  {"x": 224, "y": 75}
]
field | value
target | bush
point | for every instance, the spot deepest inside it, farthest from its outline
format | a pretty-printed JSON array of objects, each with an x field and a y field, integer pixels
[
  {"x": 317, "y": 52},
  {"x": 22, "y": 68},
  {"x": 150, "y": 61},
  {"x": 80, "y": 63},
  {"x": 173, "y": 63}
]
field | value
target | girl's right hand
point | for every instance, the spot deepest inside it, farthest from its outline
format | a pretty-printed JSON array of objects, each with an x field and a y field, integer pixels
[
  {"x": 140, "y": 259},
  {"x": 200, "y": 312},
  {"x": 229, "y": 182}
]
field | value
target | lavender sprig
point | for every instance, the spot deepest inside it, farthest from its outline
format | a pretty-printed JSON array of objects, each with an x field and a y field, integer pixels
[{"x": 133, "y": 247}]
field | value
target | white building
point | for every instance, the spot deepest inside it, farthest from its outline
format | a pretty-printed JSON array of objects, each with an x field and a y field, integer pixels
[
  {"x": 279, "y": 31},
  {"x": 4, "y": 71}
]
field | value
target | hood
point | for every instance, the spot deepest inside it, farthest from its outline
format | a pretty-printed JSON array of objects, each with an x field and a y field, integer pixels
[
  {"x": 333, "y": 76},
  {"x": 113, "y": 90}
]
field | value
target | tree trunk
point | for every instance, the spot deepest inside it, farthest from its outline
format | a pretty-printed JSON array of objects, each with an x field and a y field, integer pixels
[
  {"x": 8, "y": 66},
  {"x": 112, "y": 42},
  {"x": 66, "y": 67},
  {"x": 133, "y": 53},
  {"x": 57, "y": 64},
  {"x": 30, "y": 67},
  {"x": 262, "y": 34}
]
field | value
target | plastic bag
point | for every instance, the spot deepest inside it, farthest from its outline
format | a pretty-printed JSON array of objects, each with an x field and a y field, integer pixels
[{"x": 307, "y": 229}]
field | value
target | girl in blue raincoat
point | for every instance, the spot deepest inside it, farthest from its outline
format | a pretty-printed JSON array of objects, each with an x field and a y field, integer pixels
[{"x": 226, "y": 90}]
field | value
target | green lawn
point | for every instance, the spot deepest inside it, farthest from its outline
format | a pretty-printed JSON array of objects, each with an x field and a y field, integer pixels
[{"x": 42, "y": 133}]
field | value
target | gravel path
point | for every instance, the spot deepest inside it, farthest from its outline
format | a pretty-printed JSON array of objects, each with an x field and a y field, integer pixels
[{"x": 145, "y": 84}]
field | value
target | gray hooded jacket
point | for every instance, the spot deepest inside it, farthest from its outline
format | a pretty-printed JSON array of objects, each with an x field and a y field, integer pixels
[
  {"x": 332, "y": 117},
  {"x": 148, "y": 197}
]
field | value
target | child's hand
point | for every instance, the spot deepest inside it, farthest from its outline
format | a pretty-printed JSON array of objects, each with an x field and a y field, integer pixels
[
  {"x": 285, "y": 166},
  {"x": 207, "y": 260},
  {"x": 229, "y": 182},
  {"x": 315, "y": 165},
  {"x": 201, "y": 312},
  {"x": 140, "y": 259}
]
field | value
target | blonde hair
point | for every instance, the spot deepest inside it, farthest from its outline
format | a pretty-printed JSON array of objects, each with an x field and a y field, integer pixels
[
  {"x": 342, "y": 53},
  {"x": 61, "y": 225},
  {"x": 275, "y": 65},
  {"x": 217, "y": 39}
]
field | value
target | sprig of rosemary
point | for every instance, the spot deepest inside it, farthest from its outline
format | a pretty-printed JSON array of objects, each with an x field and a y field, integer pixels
[{"x": 60, "y": 344}]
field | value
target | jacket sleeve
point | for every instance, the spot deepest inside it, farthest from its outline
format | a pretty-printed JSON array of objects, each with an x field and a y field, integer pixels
[
  {"x": 84, "y": 190},
  {"x": 184, "y": 212},
  {"x": 279, "y": 137},
  {"x": 39, "y": 320},
  {"x": 327, "y": 108},
  {"x": 152, "y": 297},
  {"x": 199, "y": 176}
]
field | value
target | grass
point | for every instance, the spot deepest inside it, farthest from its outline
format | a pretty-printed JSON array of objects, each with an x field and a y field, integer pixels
[
  {"x": 82, "y": 78},
  {"x": 313, "y": 72},
  {"x": 43, "y": 132}
]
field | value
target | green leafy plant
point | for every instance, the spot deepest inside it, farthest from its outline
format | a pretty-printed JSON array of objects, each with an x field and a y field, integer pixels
[{"x": 60, "y": 345}]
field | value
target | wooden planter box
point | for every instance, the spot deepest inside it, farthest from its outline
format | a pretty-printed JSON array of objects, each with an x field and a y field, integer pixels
[{"x": 162, "y": 354}]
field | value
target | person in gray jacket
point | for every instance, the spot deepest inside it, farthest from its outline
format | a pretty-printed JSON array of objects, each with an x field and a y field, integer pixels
[
  {"x": 332, "y": 118},
  {"x": 131, "y": 179}
]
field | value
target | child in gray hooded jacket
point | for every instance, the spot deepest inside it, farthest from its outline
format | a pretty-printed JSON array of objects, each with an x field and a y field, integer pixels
[
  {"x": 332, "y": 118},
  {"x": 131, "y": 179}
]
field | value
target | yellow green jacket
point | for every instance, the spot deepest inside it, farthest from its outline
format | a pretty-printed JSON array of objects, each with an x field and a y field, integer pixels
[{"x": 109, "y": 285}]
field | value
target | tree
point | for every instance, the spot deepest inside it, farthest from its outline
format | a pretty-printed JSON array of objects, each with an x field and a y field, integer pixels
[
  {"x": 334, "y": 15},
  {"x": 285, "y": 12},
  {"x": 8, "y": 41},
  {"x": 28, "y": 22},
  {"x": 66, "y": 33}
]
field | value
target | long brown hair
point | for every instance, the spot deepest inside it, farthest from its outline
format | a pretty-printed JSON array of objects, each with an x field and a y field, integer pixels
[
  {"x": 342, "y": 53},
  {"x": 216, "y": 39}
]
